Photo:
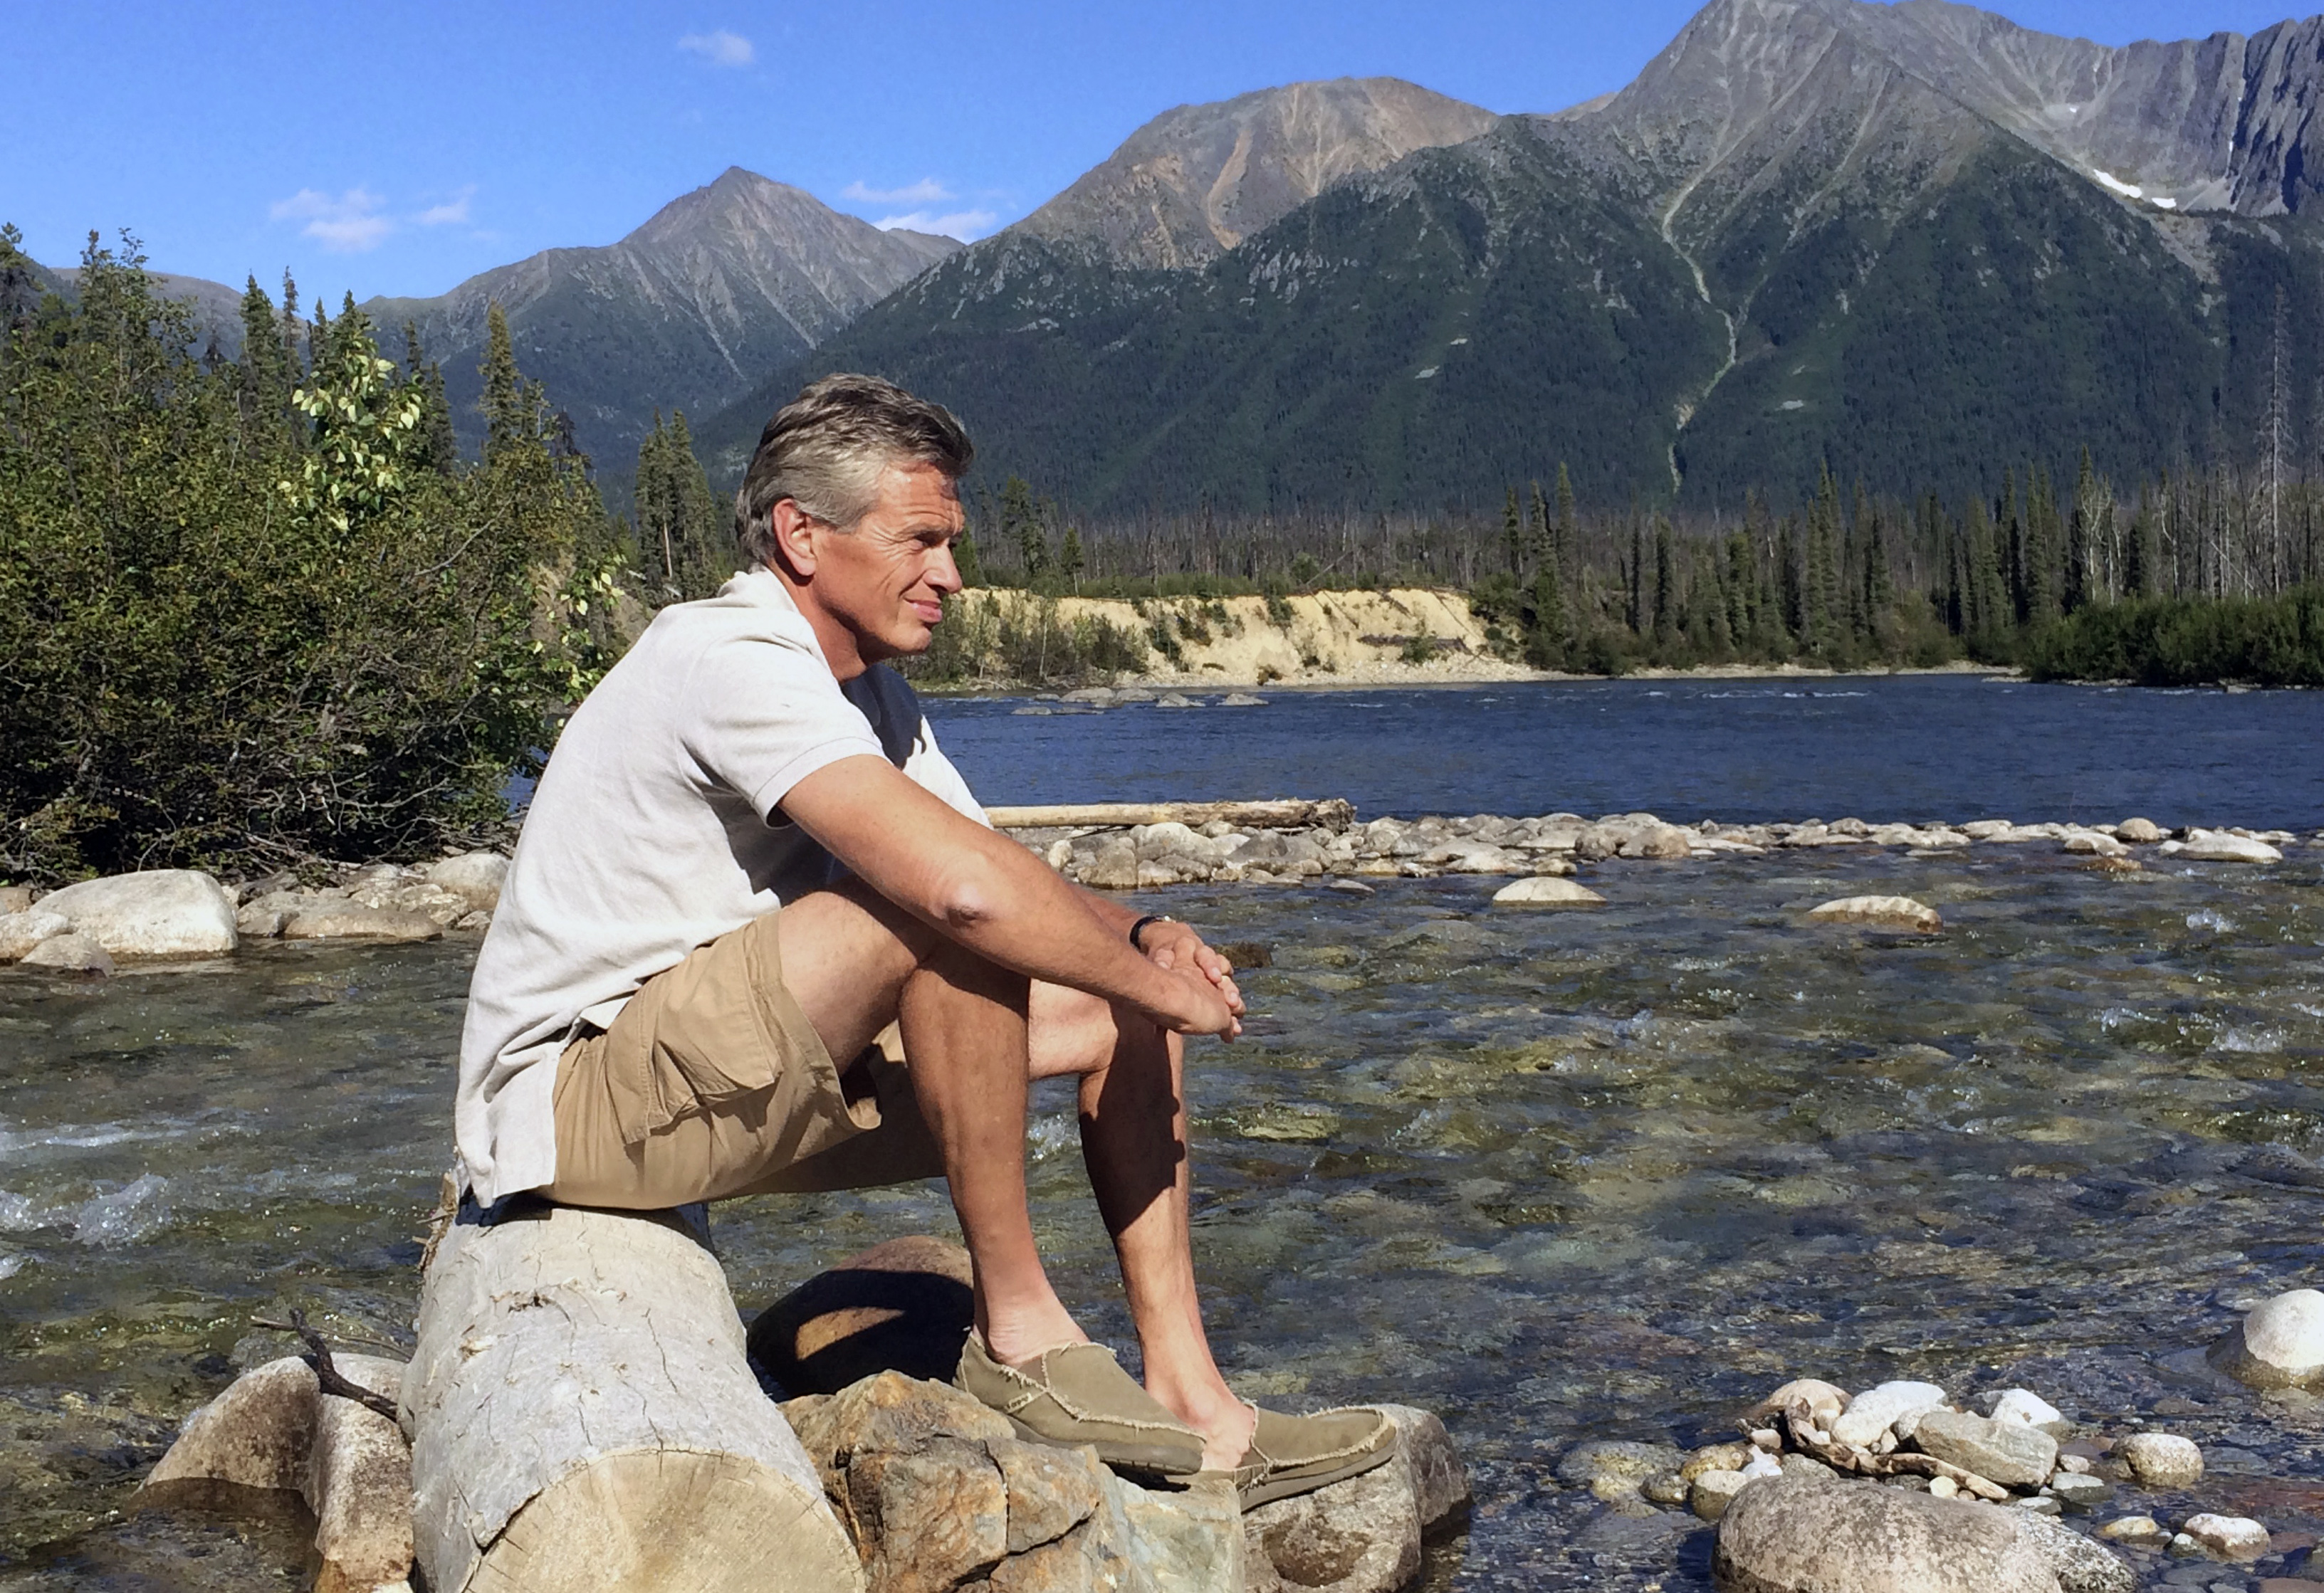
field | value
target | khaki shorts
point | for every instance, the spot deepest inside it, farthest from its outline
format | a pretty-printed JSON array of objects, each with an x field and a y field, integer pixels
[{"x": 712, "y": 1083}]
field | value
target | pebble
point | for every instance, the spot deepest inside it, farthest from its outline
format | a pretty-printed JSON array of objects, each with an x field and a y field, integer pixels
[
  {"x": 1943, "y": 1488},
  {"x": 2161, "y": 1459}
]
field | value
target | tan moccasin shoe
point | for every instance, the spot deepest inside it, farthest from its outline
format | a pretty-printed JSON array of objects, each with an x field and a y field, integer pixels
[
  {"x": 1078, "y": 1394},
  {"x": 1291, "y": 1455}
]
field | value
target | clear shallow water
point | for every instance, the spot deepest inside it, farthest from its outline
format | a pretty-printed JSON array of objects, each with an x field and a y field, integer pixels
[
  {"x": 1557, "y": 1175},
  {"x": 1755, "y": 750}
]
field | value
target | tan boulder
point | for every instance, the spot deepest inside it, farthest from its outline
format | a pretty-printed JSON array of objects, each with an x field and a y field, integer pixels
[
  {"x": 1880, "y": 912},
  {"x": 1546, "y": 890}
]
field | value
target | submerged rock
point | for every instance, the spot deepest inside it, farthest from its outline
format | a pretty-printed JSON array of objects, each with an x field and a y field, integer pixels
[
  {"x": 2279, "y": 1344},
  {"x": 1614, "y": 1468},
  {"x": 1546, "y": 890},
  {"x": 2227, "y": 1537},
  {"x": 70, "y": 953},
  {"x": 2218, "y": 847},
  {"x": 157, "y": 913},
  {"x": 2161, "y": 1459},
  {"x": 1880, "y": 912},
  {"x": 351, "y": 920}
]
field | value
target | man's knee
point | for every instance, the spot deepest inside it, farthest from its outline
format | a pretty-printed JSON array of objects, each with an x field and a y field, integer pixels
[{"x": 1070, "y": 1031}]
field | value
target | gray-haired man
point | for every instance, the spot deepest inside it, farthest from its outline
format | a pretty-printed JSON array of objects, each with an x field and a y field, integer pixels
[{"x": 747, "y": 858}]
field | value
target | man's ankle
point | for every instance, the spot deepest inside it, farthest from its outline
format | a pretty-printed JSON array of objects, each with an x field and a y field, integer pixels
[{"x": 1013, "y": 1341}]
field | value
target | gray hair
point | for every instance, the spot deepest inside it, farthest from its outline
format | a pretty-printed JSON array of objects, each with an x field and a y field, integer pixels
[{"x": 826, "y": 449}]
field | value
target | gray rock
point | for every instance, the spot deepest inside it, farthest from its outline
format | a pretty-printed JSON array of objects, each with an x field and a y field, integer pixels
[
  {"x": 2161, "y": 1459},
  {"x": 2236, "y": 1538},
  {"x": 1175, "y": 700},
  {"x": 1546, "y": 890},
  {"x": 20, "y": 932},
  {"x": 15, "y": 898},
  {"x": 2138, "y": 832},
  {"x": 1873, "y": 1412},
  {"x": 1713, "y": 1491},
  {"x": 1115, "y": 867},
  {"x": 354, "y": 921},
  {"x": 2012, "y": 1455},
  {"x": 2279, "y": 1343},
  {"x": 1798, "y": 1535},
  {"x": 71, "y": 953},
  {"x": 2080, "y": 1565},
  {"x": 157, "y": 913},
  {"x": 475, "y": 877},
  {"x": 1439, "y": 1482},
  {"x": 1880, "y": 912},
  {"x": 2079, "y": 1490},
  {"x": 1239, "y": 699},
  {"x": 2028, "y": 1409},
  {"x": 1358, "y": 1536}
]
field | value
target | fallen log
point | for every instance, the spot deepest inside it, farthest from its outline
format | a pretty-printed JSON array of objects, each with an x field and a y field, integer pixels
[
  {"x": 1334, "y": 812},
  {"x": 274, "y": 1431},
  {"x": 582, "y": 1417}
]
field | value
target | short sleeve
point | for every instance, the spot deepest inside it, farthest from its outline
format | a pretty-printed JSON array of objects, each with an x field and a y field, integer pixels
[
  {"x": 932, "y": 772},
  {"x": 760, "y": 714}
]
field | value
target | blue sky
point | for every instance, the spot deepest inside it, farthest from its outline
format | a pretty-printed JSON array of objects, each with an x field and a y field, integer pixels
[{"x": 399, "y": 148}]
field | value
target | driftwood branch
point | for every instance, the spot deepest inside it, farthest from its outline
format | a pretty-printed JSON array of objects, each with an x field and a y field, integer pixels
[
  {"x": 327, "y": 1376},
  {"x": 1800, "y": 1428},
  {"x": 1285, "y": 813}
]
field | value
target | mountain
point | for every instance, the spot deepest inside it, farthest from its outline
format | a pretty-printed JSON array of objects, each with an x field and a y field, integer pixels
[
  {"x": 1196, "y": 181},
  {"x": 687, "y": 312},
  {"x": 217, "y": 307},
  {"x": 1914, "y": 241}
]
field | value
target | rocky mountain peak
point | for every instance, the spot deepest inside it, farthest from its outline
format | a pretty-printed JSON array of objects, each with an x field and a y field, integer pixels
[{"x": 1196, "y": 181}]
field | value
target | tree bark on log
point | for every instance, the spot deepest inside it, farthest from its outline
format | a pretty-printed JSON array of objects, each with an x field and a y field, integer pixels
[
  {"x": 1282, "y": 814},
  {"x": 583, "y": 1417}
]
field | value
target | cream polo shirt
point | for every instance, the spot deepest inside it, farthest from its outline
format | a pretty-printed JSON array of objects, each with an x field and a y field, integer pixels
[{"x": 653, "y": 831}]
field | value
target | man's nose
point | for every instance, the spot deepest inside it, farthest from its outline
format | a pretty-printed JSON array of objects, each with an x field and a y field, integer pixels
[{"x": 944, "y": 572}]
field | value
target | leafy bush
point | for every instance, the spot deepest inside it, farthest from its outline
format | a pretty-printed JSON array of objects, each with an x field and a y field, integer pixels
[
  {"x": 246, "y": 617},
  {"x": 1020, "y": 638}
]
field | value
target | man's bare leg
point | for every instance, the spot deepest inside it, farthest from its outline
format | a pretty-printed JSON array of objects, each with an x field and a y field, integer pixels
[
  {"x": 1133, "y": 1127},
  {"x": 853, "y": 963}
]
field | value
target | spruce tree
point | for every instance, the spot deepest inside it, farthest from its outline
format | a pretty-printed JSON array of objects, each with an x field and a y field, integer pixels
[
  {"x": 1069, "y": 557},
  {"x": 1564, "y": 544},
  {"x": 264, "y": 381},
  {"x": 1020, "y": 522},
  {"x": 1513, "y": 537},
  {"x": 508, "y": 425},
  {"x": 1665, "y": 611},
  {"x": 439, "y": 448}
]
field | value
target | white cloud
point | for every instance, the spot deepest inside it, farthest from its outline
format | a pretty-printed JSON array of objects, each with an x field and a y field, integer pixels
[
  {"x": 720, "y": 47},
  {"x": 347, "y": 224},
  {"x": 927, "y": 192},
  {"x": 967, "y": 225},
  {"x": 452, "y": 212}
]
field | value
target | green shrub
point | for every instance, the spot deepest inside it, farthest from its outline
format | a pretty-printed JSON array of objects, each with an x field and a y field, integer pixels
[
  {"x": 246, "y": 618},
  {"x": 2189, "y": 642}
]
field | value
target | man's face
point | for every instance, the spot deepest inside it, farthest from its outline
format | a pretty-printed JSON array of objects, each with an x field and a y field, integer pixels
[{"x": 885, "y": 580}]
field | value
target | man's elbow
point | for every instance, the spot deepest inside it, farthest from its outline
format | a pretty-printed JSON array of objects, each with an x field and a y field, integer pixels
[{"x": 968, "y": 900}]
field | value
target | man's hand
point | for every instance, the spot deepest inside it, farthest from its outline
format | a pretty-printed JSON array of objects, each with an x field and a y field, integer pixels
[{"x": 1176, "y": 947}]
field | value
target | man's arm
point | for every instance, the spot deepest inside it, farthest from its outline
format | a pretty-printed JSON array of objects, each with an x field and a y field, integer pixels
[{"x": 983, "y": 890}]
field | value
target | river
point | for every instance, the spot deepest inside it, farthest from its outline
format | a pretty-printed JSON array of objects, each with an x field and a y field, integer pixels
[{"x": 1555, "y": 1176}]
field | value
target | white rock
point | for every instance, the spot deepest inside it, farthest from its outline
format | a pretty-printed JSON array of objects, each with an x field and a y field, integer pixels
[
  {"x": 71, "y": 953},
  {"x": 476, "y": 876},
  {"x": 2227, "y": 1537},
  {"x": 1762, "y": 1464},
  {"x": 2025, "y": 1407},
  {"x": 1987, "y": 829},
  {"x": 158, "y": 913},
  {"x": 2281, "y": 1343},
  {"x": 2098, "y": 843},
  {"x": 2138, "y": 832},
  {"x": 2217, "y": 846},
  {"x": 21, "y": 931},
  {"x": 1880, "y": 912},
  {"x": 1873, "y": 1412},
  {"x": 2161, "y": 1459},
  {"x": 1943, "y": 1488},
  {"x": 1546, "y": 890}
]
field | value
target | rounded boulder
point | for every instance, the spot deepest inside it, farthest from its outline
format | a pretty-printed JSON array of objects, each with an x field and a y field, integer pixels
[{"x": 155, "y": 913}]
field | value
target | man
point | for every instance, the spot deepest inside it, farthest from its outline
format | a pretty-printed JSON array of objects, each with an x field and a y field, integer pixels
[{"x": 758, "y": 937}]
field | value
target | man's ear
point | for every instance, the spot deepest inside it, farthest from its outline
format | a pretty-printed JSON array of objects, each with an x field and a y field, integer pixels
[{"x": 793, "y": 534}]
